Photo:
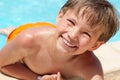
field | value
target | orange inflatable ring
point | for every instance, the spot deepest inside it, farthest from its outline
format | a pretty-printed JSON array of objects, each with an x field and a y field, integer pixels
[{"x": 26, "y": 26}]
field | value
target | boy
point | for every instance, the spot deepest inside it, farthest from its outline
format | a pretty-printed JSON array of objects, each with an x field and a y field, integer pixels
[{"x": 64, "y": 52}]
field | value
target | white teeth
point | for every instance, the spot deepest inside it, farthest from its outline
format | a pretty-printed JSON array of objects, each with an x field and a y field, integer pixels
[{"x": 68, "y": 44}]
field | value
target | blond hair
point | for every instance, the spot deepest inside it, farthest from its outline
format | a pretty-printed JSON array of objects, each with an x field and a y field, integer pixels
[{"x": 97, "y": 12}]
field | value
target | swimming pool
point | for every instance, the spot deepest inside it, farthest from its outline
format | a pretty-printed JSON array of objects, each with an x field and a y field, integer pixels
[{"x": 17, "y": 12}]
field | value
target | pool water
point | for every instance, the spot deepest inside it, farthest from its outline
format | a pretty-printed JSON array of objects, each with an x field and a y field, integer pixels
[{"x": 16, "y": 12}]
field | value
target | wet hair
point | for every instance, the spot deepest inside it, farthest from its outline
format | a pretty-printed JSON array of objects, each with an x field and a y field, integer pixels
[{"x": 97, "y": 13}]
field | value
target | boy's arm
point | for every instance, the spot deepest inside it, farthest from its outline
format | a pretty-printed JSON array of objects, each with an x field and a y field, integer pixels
[
  {"x": 20, "y": 47},
  {"x": 19, "y": 71}
]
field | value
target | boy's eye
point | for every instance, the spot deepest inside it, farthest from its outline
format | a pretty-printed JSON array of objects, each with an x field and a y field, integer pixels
[
  {"x": 87, "y": 34},
  {"x": 70, "y": 21}
]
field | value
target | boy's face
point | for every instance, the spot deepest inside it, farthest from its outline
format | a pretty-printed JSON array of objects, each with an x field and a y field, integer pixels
[{"x": 75, "y": 36}]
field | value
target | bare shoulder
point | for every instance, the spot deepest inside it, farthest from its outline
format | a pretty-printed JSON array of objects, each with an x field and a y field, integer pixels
[
  {"x": 32, "y": 37},
  {"x": 35, "y": 34},
  {"x": 40, "y": 34},
  {"x": 91, "y": 68}
]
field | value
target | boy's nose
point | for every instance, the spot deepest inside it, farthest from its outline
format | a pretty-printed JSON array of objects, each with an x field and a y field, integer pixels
[{"x": 74, "y": 33}]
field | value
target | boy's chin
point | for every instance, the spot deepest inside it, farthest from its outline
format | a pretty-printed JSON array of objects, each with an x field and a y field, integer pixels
[{"x": 62, "y": 50}]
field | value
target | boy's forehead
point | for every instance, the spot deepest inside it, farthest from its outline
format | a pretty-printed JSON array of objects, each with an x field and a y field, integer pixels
[{"x": 76, "y": 13}]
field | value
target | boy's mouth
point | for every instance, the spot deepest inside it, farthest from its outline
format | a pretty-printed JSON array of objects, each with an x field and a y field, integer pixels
[{"x": 68, "y": 43}]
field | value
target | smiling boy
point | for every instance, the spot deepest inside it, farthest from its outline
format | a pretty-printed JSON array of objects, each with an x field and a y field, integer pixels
[{"x": 82, "y": 26}]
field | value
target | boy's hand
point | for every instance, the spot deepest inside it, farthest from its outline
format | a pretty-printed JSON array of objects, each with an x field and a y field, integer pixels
[{"x": 52, "y": 77}]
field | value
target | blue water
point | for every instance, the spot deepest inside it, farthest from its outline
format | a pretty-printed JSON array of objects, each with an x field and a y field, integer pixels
[{"x": 17, "y": 12}]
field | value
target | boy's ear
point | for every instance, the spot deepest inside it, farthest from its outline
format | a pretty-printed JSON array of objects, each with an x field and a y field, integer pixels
[
  {"x": 59, "y": 16},
  {"x": 96, "y": 45}
]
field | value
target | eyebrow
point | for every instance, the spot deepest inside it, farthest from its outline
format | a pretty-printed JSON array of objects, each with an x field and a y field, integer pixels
[{"x": 73, "y": 19}]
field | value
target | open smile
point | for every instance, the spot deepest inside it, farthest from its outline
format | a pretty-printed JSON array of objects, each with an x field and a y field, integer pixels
[{"x": 68, "y": 43}]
